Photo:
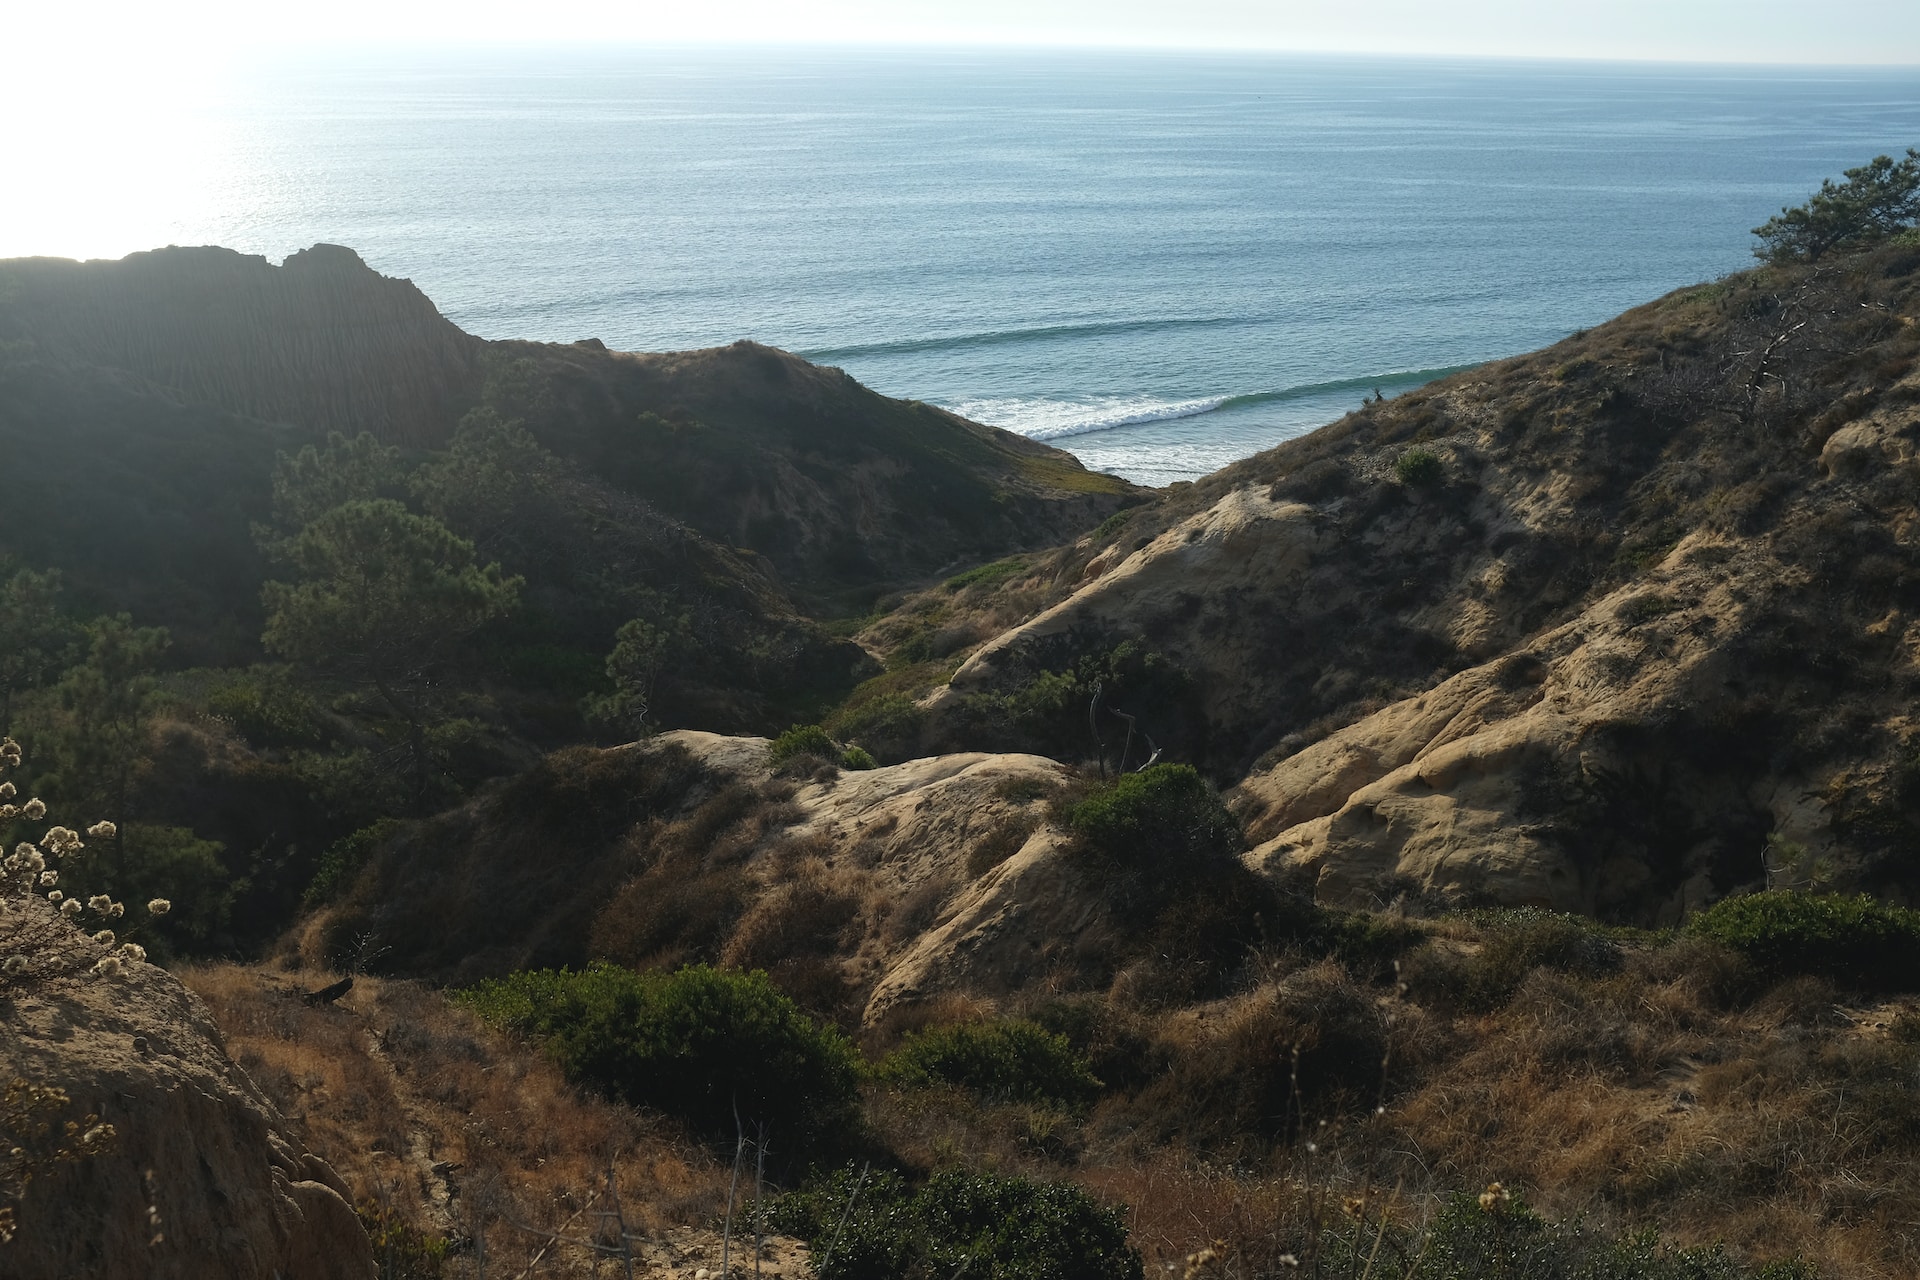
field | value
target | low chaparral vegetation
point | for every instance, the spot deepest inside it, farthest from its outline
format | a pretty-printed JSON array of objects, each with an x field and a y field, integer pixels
[
  {"x": 876, "y": 1227},
  {"x": 447, "y": 1131},
  {"x": 712, "y": 1048}
]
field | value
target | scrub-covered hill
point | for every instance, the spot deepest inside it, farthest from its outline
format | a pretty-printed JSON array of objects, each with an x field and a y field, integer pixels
[
  {"x": 1619, "y": 626},
  {"x": 168, "y": 379}
]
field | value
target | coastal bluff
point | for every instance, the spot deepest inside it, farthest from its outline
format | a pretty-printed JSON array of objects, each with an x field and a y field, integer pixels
[{"x": 322, "y": 341}]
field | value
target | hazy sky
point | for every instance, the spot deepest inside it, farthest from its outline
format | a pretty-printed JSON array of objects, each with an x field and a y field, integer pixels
[{"x": 1848, "y": 31}]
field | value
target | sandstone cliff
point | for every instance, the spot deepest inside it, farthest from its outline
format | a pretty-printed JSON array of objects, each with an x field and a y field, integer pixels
[
  {"x": 203, "y": 1181},
  {"x": 1619, "y": 626},
  {"x": 867, "y": 890}
]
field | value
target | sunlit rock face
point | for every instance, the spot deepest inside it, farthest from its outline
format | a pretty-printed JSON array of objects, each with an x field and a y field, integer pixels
[{"x": 202, "y": 1180}]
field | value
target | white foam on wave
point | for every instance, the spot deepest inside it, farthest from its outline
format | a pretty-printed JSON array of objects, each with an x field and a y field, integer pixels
[{"x": 1057, "y": 419}]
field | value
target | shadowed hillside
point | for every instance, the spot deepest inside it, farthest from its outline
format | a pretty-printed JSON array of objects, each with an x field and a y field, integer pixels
[
  {"x": 846, "y": 493},
  {"x": 321, "y": 342}
]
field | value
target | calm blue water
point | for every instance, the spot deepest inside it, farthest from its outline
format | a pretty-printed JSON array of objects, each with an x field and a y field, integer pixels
[{"x": 1162, "y": 263}]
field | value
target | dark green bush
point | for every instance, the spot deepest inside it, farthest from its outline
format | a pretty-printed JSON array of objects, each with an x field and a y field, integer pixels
[
  {"x": 987, "y": 575},
  {"x": 1012, "y": 1061},
  {"x": 888, "y": 725},
  {"x": 344, "y": 858},
  {"x": 1163, "y": 815},
  {"x": 1418, "y": 467},
  {"x": 1117, "y": 1044},
  {"x": 1365, "y": 943},
  {"x": 987, "y": 1227},
  {"x": 1048, "y": 698},
  {"x": 700, "y": 1044},
  {"x": 268, "y": 708},
  {"x": 1165, "y": 853},
  {"x": 1854, "y": 941},
  {"x": 809, "y": 742},
  {"x": 1467, "y": 1241},
  {"x": 804, "y": 740}
]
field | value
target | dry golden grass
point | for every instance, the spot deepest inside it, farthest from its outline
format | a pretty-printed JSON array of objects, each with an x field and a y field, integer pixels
[
  {"x": 1669, "y": 1090},
  {"x": 454, "y": 1129}
]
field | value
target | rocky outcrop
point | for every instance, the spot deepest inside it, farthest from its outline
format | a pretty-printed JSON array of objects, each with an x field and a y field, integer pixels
[
  {"x": 1528, "y": 780},
  {"x": 887, "y": 886},
  {"x": 203, "y": 1181}
]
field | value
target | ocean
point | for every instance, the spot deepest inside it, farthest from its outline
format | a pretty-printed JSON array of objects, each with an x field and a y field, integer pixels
[{"x": 1160, "y": 262}]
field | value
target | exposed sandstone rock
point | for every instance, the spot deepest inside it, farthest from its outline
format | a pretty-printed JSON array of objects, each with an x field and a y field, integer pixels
[
  {"x": 912, "y": 830},
  {"x": 1647, "y": 637},
  {"x": 236, "y": 1197},
  {"x": 1247, "y": 544}
]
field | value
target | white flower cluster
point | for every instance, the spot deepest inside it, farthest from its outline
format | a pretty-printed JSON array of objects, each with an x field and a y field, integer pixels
[{"x": 26, "y": 870}]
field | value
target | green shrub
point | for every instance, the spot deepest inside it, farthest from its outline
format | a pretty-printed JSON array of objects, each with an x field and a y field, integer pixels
[
  {"x": 1048, "y": 697},
  {"x": 268, "y": 708},
  {"x": 987, "y": 575},
  {"x": 874, "y": 1227},
  {"x": 803, "y": 740},
  {"x": 1418, "y": 467},
  {"x": 1011, "y": 1061},
  {"x": 1164, "y": 814},
  {"x": 1855, "y": 941},
  {"x": 699, "y": 1044},
  {"x": 1117, "y": 1044},
  {"x": 403, "y": 1251},
  {"x": 1475, "y": 1237},
  {"x": 888, "y": 725},
  {"x": 806, "y": 742},
  {"x": 1111, "y": 525},
  {"x": 344, "y": 858},
  {"x": 1365, "y": 943}
]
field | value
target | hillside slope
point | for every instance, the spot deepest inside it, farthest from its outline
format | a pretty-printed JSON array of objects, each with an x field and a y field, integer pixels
[
  {"x": 845, "y": 493},
  {"x": 1618, "y": 626}
]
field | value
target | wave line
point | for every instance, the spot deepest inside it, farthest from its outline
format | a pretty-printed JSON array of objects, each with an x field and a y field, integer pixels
[
  {"x": 1000, "y": 337},
  {"x": 1400, "y": 379}
]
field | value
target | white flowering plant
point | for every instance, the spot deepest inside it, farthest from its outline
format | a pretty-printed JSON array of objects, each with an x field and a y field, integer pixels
[
  {"x": 33, "y": 1140},
  {"x": 76, "y": 936}
]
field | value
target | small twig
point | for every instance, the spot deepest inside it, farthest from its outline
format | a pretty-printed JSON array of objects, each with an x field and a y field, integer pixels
[
  {"x": 759, "y": 1186},
  {"x": 1093, "y": 727},
  {"x": 844, "y": 1215},
  {"x": 553, "y": 1239},
  {"x": 739, "y": 1149}
]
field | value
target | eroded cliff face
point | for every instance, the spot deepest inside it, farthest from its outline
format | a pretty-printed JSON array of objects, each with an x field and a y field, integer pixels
[
  {"x": 204, "y": 1181},
  {"x": 1617, "y": 627},
  {"x": 870, "y": 890},
  {"x": 321, "y": 341}
]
